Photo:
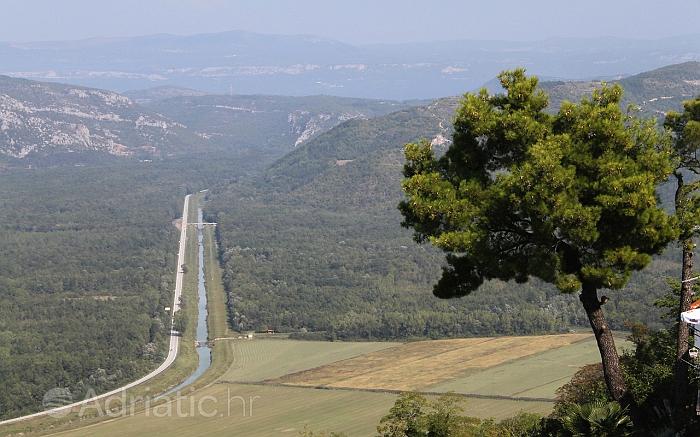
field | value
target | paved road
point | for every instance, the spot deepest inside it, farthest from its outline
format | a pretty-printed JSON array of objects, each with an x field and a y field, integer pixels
[{"x": 174, "y": 339}]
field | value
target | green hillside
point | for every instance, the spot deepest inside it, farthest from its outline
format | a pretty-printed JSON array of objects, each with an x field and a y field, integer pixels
[
  {"x": 337, "y": 149},
  {"x": 272, "y": 124},
  {"x": 654, "y": 91},
  {"x": 315, "y": 243}
]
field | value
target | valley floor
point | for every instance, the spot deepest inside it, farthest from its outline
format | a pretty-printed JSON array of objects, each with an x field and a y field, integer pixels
[
  {"x": 272, "y": 386},
  {"x": 260, "y": 393}
]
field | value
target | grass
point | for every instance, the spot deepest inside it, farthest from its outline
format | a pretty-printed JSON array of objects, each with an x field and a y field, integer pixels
[
  {"x": 217, "y": 320},
  {"x": 286, "y": 410},
  {"x": 275, "y": 409},
  {"x": 259, "y": 360},
  {"x": 537, "y": 376},
  {"x": 425, "y": 364},
  {"x": 281, "y": 411}
]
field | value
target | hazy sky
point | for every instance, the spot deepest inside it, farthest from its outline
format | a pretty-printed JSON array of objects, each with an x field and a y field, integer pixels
[{"x": 353, "y": 21}]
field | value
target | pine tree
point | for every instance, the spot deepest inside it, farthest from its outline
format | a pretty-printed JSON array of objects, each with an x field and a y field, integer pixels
[
  {"x": 685, "y": 129},
  {"x": 568, "y": 198}
]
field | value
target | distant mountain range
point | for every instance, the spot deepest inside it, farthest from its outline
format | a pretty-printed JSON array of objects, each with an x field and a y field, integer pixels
[
  {"x": 372, "y": 148},
  {"x": 247, "y": 63},
  {"x": 43, "y": 120},
  {"x": 324, "y": 133},
  {"x": 38, "y": 118}
]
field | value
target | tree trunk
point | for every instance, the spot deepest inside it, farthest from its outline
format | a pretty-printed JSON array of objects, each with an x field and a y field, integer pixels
[
  {"x": 681, "y": 367},
  {"x": 685, "y": 298},
  {"x": 606, "y": 345},
  {"x": 680, "y": 373}
]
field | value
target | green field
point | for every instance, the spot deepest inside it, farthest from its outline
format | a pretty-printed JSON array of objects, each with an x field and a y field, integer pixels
[
  {"x": 537, "y": 376},
  {"x": 417, "y": 366},
  {"x": 282, "y": 411},
  {"x": 275, "y": 410},
  {"x": 259, "y": 360},
  {"x": 217, "y": 317}
]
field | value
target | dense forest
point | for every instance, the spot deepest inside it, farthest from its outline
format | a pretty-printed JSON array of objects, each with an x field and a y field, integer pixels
[
  {"x": 351, "y": 272},
  {"x": 88, "y": 267}
]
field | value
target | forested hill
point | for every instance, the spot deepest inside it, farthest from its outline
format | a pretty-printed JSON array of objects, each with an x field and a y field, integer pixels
[
  {"x": 654, "y": 91},
  {"x": 275, "y": 124},
  {"x": 148, "y": 95},
  {"x": 317, "y": 245},
  {"x": 359, "y": 143},
  {"x": 38, "y": 118}
]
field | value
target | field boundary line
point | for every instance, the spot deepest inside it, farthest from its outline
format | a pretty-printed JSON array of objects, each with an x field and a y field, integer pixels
[{"x": 391, "y": 391}]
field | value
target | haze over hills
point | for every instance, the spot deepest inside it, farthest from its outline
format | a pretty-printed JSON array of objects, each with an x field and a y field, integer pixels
[
  {"x": 252, "y": 63},
  {"x": 41, "y": 118},
  {"x": 45, "y": 119},
  {"x": 148, "y": 95}
]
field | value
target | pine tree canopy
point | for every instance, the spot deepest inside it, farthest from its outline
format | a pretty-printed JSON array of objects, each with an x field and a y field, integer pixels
[
  {"x": 568, "y": 197},
  {"x": 685, "y": 129}
]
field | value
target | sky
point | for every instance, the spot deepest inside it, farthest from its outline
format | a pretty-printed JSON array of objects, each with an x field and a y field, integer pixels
[{"x": 351, "y": 21}]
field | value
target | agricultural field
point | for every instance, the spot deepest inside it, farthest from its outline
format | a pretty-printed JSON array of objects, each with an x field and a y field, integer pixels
[
  {"x": 422, "y": 365},
  {"x": 278, "y": 411},
  {"x": 535, "y": 376},
  {"x": 217, "y": 316},
  {"x": 259, "y": 360},
  {"x": 348, "y": 386}
]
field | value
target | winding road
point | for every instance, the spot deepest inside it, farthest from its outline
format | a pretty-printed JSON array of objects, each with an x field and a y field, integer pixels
[{"x": 174, "y": 339}]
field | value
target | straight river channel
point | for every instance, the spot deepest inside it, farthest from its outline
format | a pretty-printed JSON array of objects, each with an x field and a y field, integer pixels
[{"x": 202, "y": 335}]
